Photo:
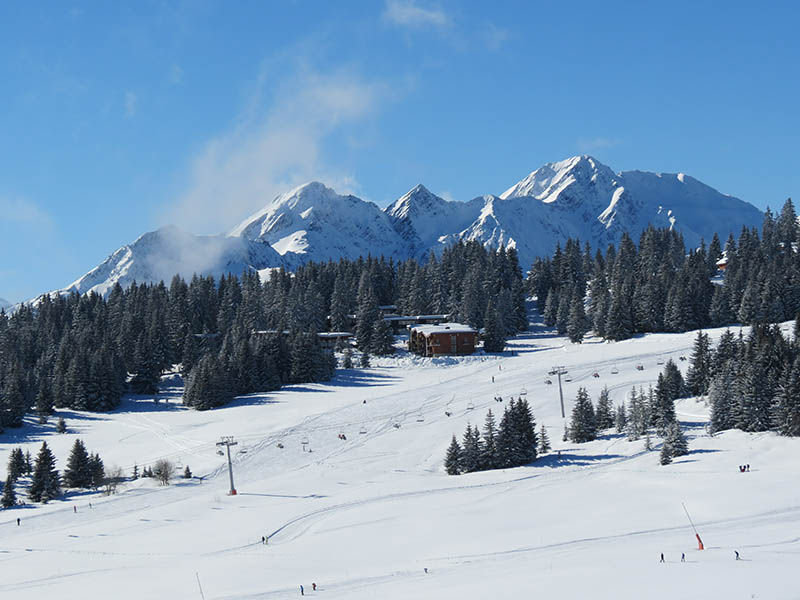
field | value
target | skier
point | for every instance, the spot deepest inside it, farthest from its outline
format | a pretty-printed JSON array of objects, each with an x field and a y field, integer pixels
[
  {"x": 748, "y": 468},
  {"x": 736, "y": 552},
  {"x": 683, "y": 557},
  {"x": 492, "y": 378},
  {"x": 17, "y": 521},
  {"x": 302, "y": 591},
  {"x": 74, "y": 508},
  {"x": 426, "y": 570},
  {"x": 662, "y": 557},
  {"x": 263, "y": 540},
  {"x": 314, "y": 587}
]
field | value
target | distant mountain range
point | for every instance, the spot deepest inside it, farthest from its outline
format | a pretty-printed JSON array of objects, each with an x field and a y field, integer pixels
[{"x": 578, "y": 197}]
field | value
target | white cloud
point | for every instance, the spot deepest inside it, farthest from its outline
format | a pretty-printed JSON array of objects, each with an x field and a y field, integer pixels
[
  {"x": 23, "y": 212},
  {"x": 274, "y": 148},
  {"x": 495, "y": 36},
  {"x": 408, "y": 13},
  {"x": 597, "y": 143},
  {"x": 131, "y": 100}
]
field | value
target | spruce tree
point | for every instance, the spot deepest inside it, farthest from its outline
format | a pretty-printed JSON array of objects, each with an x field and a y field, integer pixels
[
  {"x": 577, "y": 323},
  {"x": 9, "y": 497},
  {"x": 583, "y": 426},
  {"x": 786, "y": 413},
  {"x": 698, "y": 377},
  {"x": 61, "y": 425},
  {"x": 76, "y": 473},
  {"x": 676, "y": 440},
  {"x": 665, "y": 457},
  {"x": 187, "y": 472},
  {"x": 16, "y": 464},
  {"x": 544, "y": 441},
  {"x": 621, "y": 418},
  {"x": 494, "y": 337},
  {"x": 46, "y": 482},
  {"x": 489, "y": 455},
  {"x": 453, "y": 459},
  {"x": 605, "y": 413},
  {"x": 382, "y": 342},
  {"x": 470, "y": 450},
  {"x": 720, "y": 397}
]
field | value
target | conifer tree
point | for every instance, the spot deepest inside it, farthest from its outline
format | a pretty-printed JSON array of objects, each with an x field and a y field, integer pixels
[
  {"x": 698, "y": 377},
  {"x": 187, "y": 472},
  {"x": 786, "y": 418},
  {"x": 583, "y": 426},
  {"x": 676, "y": 440},
  {"x": 470, "y": 450},
  {"x": 489, "y": 455},
  {"x": 721, "y": 400},
  {"x": 453, "y": 459},
  {"x": 665, "y": 457},
  {"x": 367, "y": 313},
  {"x": 605, "y": 413},
  {"x": 577, "y": 323},
  {"x": 347, "y": 359},
  {"x": 382, "y": 342},
  {"x": 621, "y": 418},
  {"x": 16, "y": 464},
  {"x": 76, "y": 473},
  {"x": 365, "y": 364},
  {"x": 61, "y": 425},
  {"x": 544, "y": 441},
  {"x": 9, "y": 497},
  {"x": 46, "y": 482},
  {"x": 494, "y": 337}
]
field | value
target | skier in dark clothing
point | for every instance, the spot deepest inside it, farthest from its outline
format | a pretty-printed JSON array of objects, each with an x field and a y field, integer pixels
[
  {"x": 17, "y": 521},
  {"x": 736, "y": 552},
  {"x": 662, "y": 557},
  {"x": 302, "y": 591},
  {"x": 314, "y": 587},
  {"x": 683, "y": 557}
]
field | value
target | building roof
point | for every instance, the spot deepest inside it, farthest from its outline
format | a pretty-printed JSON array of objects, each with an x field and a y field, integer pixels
[{"x": 444, "y": 328}]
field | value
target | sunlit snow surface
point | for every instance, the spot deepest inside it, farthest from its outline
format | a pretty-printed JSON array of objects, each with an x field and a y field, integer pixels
[{"x": 363, "y": 517}]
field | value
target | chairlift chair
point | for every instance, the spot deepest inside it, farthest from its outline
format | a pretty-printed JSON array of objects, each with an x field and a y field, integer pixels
[
  {"x": 363, "y": 430},
  {"x": 471, "y": 406},
  {"x": 279, "y": 445},
  {"x": 660, "y": 361},
  {"x": 420, "y": 417},
  {"x": 568, "y": 378},
  {"x": 595, "y": 374},
  {"x": 640, "y": 367},
  {"x": 304, "y": 440},
  {"x": 220, "y": 452},
  {"x": 523, "y": 392},
  {"x": 615, "y": 370},
  {"x": 548, "y": 381}
]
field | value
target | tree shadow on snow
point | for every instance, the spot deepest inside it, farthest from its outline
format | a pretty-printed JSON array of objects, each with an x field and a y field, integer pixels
[{"x": 570, "y": 458}]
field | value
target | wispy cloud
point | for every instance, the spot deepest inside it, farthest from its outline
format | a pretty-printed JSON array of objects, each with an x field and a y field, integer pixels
[
  {"x": 18, "y": 211},
  {"x": 131, "y": 101},
  {"x": 275, "y": 147},
  {"x": 495, "y": 36},
  {"x": 597, "y": 143},
  {"x": 407, "y": 13},
  {"x": 175, "y": 74}
]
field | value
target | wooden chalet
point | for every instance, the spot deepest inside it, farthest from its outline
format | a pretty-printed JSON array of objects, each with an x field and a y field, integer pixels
[{"x": 443, "y": 339}]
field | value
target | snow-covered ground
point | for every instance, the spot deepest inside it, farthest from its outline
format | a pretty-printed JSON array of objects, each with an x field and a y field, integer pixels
[{"x": 363, "y": 517}]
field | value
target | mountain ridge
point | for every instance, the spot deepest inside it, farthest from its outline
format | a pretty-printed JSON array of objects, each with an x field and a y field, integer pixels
[{"x": 578, "y": 197}]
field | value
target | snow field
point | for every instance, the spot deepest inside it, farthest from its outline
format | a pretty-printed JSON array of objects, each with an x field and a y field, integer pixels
[{"x": 363, "y": 517}]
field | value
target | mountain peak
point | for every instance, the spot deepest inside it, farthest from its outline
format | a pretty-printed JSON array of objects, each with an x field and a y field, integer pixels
[{"x": 549, "y": 181}]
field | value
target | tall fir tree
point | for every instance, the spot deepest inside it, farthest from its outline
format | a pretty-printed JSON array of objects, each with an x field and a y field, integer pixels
[
  {"x": 453, "y": 459},
  {"x": 46, "y": 482}
]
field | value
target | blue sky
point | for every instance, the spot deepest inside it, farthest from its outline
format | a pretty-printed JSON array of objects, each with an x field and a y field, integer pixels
[{"x": 118, "y": 118}]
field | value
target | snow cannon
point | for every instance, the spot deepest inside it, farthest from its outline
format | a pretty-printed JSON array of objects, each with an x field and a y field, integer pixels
[{"x": 699, "y": 542}]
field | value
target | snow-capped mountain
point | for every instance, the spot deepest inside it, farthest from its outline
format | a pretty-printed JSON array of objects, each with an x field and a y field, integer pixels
[
  {"x": 313, "y": 222},
  {"x": 158, "y": 255},
  {"x": 578, "y": 197}
]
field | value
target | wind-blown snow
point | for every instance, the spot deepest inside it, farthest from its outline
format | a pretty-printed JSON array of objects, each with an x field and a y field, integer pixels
[
  {"x": 363, "y": 517},
  {"x": 159, "y": 255}
]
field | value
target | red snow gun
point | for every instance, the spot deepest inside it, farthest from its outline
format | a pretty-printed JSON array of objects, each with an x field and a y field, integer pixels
[{"x": 699, "y": 542}]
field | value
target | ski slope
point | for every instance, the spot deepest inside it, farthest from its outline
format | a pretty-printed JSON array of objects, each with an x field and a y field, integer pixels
[{"x": 364, "y": 517}]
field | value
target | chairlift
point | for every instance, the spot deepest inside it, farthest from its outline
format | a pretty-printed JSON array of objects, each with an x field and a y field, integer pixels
[
  {"x": 279, "y": 445},
  {"x": 595, "y": 374},
  {"x": 220, "y": 452},
  {"x": 447, "y": 413},
  {"x": 363, "y": 430},
  {"x": 568, "y": 378},
  {"x": 640, "y": 367},
  {"x": 471, "y": 406},
  {"x": 615, "y": 370},
  {"x": 548, "y": 381},
  {"x": 420, "y": 417},
  {"x": 523, "y": 392},
  {"x": 396, "y": 425},
  {"x": 660, "y": 361}
]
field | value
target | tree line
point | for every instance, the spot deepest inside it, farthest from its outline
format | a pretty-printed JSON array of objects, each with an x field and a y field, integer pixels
[
  {"x": 238, "y": 335},
  {"x": 660, "y": 286}
]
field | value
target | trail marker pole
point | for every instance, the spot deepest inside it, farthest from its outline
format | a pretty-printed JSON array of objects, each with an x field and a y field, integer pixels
[{"x": 227, "y": 441}]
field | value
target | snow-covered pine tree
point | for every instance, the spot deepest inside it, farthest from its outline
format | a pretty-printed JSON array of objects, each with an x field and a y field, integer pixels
[
  {"x": 97, "y": 470},
  {"x": 583, "y": 426},
  {"x": 720, "y": 396},
  {"x": 544, "y": 441},
  {"x": 61, "y": 425},
  {"x": 347, "y": 358},
  {"x": 577, "y": 323},
  {"x": 453, "y": 459},
  {"x": 489, "y": 458},
  {"x": 678, "y": 445},
  {"x": 382, "y": 342},
  {"x": 604, "y": 413},
  {"x": 367, "y": 313},
  {"x": 365, "y": 363},
  {"x": 665, "y": 456},
  {"x": 524, "y": 431},
  {"x": 621, "y": 418},
  {"x": 470, "y": 450},
  {"x": 46, "y": 482}
]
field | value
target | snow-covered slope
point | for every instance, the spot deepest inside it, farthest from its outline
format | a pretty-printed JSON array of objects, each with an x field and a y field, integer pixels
[
  {"x": 159, "y": 255},
  {"x": 365, "y": 517},
  {"x": 313, "y": 222}
]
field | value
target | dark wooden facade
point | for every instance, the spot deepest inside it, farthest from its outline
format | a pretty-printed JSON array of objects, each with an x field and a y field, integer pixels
[{"x": 444, "y": 339}]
